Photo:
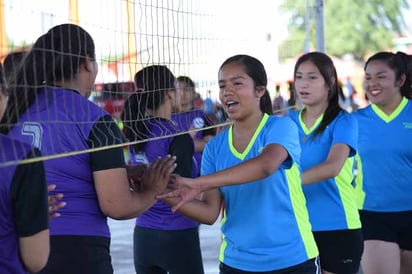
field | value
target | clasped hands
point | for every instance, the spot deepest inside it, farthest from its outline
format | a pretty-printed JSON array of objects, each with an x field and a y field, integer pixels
[{"x": 159, "y": 178}]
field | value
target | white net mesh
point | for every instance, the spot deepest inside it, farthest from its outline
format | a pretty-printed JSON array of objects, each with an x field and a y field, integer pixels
[{"x": 191, "y": 38}]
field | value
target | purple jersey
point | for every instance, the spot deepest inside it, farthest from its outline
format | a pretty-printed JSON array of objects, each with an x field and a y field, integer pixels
[
  {"x": 193, "y": 119},
  {"x": 10, "y": 228},
  {"x": 160, "y": 215},
  {"x": 59, "y": 122}
]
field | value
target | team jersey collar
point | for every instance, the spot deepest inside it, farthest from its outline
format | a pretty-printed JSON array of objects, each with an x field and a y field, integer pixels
[
  {"x": 394, "y": 114},
  {"x": 305, "y": 129},
  {"x": 242, "y": 155}
]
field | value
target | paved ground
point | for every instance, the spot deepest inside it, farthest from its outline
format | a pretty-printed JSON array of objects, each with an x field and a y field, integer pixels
[{"x": 122, "y": 246}]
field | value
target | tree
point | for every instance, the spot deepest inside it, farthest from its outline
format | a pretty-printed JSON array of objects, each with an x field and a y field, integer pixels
[{"x": 356, "y": 27}]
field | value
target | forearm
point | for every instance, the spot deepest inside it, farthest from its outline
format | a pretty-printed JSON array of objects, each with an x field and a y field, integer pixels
[
  {"x": 248, "y": 171},
  {"x": 319, "y": 173},
  {"x": 34, "y": 250},
  {"x": 205, "y": 209}
]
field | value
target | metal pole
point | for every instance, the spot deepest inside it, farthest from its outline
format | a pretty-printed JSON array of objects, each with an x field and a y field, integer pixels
[
  {"x": 4, "y": 44},
  {"x": 320, "y": 31},
  {"x": 306, "y": 47}
]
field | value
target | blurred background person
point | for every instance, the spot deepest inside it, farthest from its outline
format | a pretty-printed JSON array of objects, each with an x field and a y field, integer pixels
[{"x": 190, "y": 119}]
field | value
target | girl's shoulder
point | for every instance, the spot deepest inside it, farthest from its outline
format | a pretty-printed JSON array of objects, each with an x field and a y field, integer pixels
[{"x": 280, "y": 121}]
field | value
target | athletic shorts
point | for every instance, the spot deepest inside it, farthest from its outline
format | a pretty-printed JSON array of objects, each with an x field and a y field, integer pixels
[
  {"x": 340, "y": 251},
  {"x": 167, "y": 251},
  {"x": 309, "y": 267},
  {"x": 394, "y": 227},
  {"x": 79, "y": 254}
]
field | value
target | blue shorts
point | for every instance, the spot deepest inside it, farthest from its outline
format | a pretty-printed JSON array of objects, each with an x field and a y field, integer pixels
[{"x": 394, "y": 227}]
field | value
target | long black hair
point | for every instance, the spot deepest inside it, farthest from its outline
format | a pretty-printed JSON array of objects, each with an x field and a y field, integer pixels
[
  {"x": 255, "y": 70},
  {"x": 3, "y": 86},
  {"x": 151, "y": 82},
  {"x": 328, "y": 71},
  {"x": 54, "y": 57}
]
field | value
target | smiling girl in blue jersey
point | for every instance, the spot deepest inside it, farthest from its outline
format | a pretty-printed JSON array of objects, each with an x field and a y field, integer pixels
[
  {"x": 328, "y": 137},
  {"x": 385, "y": 152},
  {"x": 253, "y": 166}
]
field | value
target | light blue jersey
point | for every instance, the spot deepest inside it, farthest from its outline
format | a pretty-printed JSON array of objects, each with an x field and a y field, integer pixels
[
  {"x": 385, "y": 151},
  {"x": 265, "y": 225},
  {"x": 331, "y": 203}
]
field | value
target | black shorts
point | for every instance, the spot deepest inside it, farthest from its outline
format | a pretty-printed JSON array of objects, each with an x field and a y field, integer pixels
[
  {"x": 340, "y": 251},
  {"x": 309, "y": 267},
  {"x": 394, "y": 227},
  {"x": 79, "y": 254},
  {"x": 167, "y": 251}
]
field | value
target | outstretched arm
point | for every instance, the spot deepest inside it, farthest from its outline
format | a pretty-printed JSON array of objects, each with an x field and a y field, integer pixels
[
  {"x": 204, "y": 210},
  {"x": 262, "y": 166},
  {"x": 329, "y": 168}
]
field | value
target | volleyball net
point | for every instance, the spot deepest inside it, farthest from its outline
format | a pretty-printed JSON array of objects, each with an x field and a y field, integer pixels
[{"x": 191, "y": 38}]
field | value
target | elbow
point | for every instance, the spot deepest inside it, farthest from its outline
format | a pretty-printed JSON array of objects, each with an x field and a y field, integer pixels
[
  {"x": 35, "y": 267},
  {"x": 267, "y": 170},
  {"x": 37, "y": 263},
  {"x": 209, "y": 220},
  {"x": 118, "y": 215}
]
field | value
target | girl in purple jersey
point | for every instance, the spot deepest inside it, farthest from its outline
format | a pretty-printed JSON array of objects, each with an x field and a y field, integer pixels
[
  {"x": 164, "y": 242},
  {"x": 49, "y": 93},
  {"x": 24, "y": 231}
]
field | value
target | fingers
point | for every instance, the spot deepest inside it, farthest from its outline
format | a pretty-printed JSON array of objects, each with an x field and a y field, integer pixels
[
  {"x": 51, "y": 188},
  {"x": 53, "y": 208},
  {"x": 172, "y": 194},
  {"x": 178, "y": 205},
  {"x": 54, "y": 202},
  {"x": 135, "y": 172},
  {"x": 167, "y": 164},
  {"x": 54, "y": 198}
]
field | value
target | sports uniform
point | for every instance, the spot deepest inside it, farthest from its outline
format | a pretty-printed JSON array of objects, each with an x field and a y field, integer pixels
[
  {"x": 23, "y": 201},
  {"x": 163, "y": 240},
  {"x": 62, "y": 121},
  {"x": 194, "y": 118},
  {"x": 385, "y": 156},
  {"x": 265, "y": 226},
  {"x": 331, "y": 203}
]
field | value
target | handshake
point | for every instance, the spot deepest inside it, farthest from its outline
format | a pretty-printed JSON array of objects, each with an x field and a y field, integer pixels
[{"x": 151, "y": 177}]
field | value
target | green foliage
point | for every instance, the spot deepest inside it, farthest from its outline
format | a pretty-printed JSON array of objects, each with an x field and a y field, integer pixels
[{"x": 357, "y": 27}]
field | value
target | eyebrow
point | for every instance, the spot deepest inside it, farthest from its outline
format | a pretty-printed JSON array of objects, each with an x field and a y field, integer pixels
[
  {"x": 378, "y": 73},
  {"x": 310, "y": 72},
  {"x": 234, "y": 78}
]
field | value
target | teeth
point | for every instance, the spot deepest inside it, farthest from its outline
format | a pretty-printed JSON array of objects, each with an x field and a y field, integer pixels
[{"x": 374, "y": 92}]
